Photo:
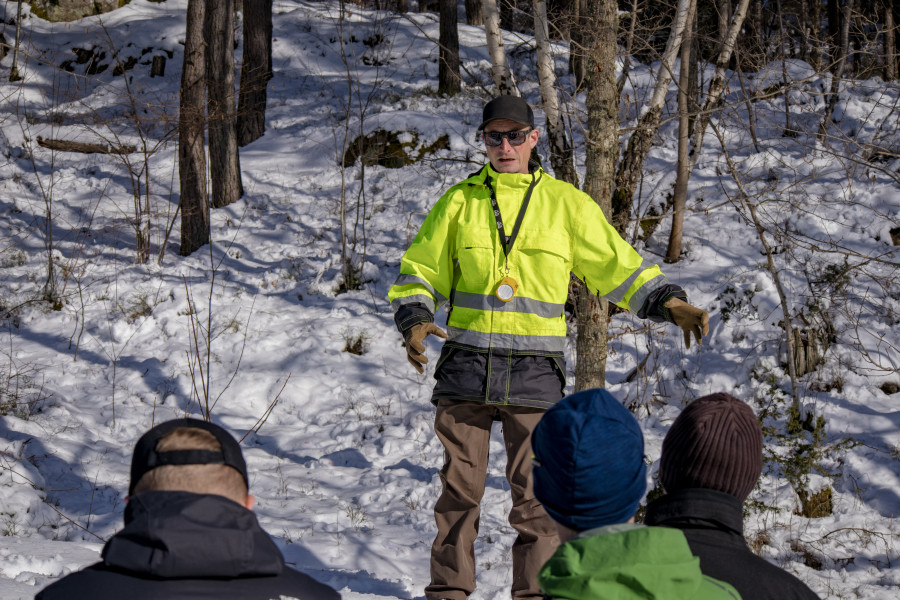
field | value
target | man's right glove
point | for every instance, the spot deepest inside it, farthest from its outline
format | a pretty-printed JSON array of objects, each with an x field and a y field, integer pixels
[
  {"x": 690, "y": 318},
  {"x": 415, "y": 349}
]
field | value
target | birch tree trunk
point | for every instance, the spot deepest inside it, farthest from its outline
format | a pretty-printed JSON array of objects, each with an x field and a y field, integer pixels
[
  {"x": 448, "y": 62},
  {"x": 679, "y": 197},
  {"x": 723, "y": 14},
  {"x": 601, "y": 101},
  {"x": 194, "y": 201},
  {"x": 641, "y": 140},
  {"x": 256, "y": 70},
  {"x": 503, "y": 78},
  {"x": 717, "y": 84},
  {"x": 561, "y": 155},
  {"x": 224, "y": 165}
]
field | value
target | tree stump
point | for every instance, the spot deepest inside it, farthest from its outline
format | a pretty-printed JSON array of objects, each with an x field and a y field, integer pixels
[{"x": 158, "y": 66}]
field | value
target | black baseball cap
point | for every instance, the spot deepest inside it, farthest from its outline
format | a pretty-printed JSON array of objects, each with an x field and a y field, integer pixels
[
  {"x": 146, "y": 457},
  {"x": 507, "y": 107}
]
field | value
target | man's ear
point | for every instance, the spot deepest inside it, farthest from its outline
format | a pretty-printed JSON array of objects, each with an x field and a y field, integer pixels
[{"x": 250, "y": 502}]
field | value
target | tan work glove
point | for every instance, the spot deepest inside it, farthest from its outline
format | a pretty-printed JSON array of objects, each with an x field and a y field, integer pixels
[
  {"x": 415, "y": 349},
  {"x": 690, "y": 318}
]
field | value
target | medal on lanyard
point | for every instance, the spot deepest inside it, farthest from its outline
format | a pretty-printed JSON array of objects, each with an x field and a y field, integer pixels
[
  {"x": 508, "y": 286},
  {"x": 506, "y": 289}
]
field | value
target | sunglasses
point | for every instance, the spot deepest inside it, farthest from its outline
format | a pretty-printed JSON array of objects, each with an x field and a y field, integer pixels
[{"x": 495, "y": 138}]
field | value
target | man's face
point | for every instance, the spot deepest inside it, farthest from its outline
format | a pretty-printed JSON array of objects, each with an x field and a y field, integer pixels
[{"x": 507, "y": 158}]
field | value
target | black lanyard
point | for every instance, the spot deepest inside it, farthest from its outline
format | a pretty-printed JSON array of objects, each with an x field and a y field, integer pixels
[{"x": 507, "y": 243}]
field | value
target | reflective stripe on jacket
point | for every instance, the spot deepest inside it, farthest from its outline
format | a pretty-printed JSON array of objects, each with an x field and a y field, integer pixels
[{"x": 457, "y": 257}]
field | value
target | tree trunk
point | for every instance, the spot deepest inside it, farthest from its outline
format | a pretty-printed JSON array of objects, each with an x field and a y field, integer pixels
[
  {"x": 580, "y": 39},
  {"x": 561, "y": 155},
  {"x": 642, "y": 139},
  {"x": 473, "y": 13},
  {"x": 679, "y": 198},
  {"x": 717, "y": 84},
  {"x": 559, "y": 19},
  {"x": 256, "y": 70},
  {"x": 815, "y": 40},
  {"x": 788, "y": 131},
  {"x": 834, "y": 27},
  {"x": 448, "y": 64},
  {"x": 141, "y": 211},
  {"x": 84, "y": 147},
  {"x": 890, "y": 43},
  {"x": 838, "y": 71},
  {"x": 752, "y": 46},
  {"x": 804, "y": 30},
  {"x": 601, "y": 101},
  {"x": 507, "y": 14},
  {"x": 503, "y": 78},
  {"x": 158, "y": 66},
  {"x": 751, "y": 112},
  {"x": 723, "y": 13},
  {"x": 224, "y": 164},
  {"x": 14, "y": 70},
  {"x": 194, "y": 201},
  {"x": 629, "y": 49}
]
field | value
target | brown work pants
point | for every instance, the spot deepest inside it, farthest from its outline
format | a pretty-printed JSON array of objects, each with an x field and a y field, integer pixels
[{"x": 465, "y": 430}]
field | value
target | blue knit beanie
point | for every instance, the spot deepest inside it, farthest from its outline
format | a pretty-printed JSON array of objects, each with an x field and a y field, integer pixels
[{"x": 589, "y": 468}]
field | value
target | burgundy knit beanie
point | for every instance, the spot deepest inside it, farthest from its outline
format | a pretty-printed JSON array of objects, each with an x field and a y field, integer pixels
[{"x": 715, "y": 443}]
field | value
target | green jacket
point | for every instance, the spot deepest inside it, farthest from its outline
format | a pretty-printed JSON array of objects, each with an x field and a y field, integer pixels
[
  {"x": 624, "y": 562},
  {"x": 457, "y": 257}
]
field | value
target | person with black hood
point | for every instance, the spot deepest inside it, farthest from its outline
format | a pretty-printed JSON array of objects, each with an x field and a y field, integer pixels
[
  {"x": 189, "y": 531},
  {"x": 711, "y": 460}
]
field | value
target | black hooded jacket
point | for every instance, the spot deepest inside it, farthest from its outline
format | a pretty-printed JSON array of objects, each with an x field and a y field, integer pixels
[
  {"x": 713, "y": 524},
  {"x": 178, "y": 545}
]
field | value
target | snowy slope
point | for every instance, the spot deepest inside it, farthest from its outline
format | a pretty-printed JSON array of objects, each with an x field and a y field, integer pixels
[{"x": 343, "y": 459}]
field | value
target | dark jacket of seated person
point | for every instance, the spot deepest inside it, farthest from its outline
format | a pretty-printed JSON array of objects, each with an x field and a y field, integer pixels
[
  {"x": 189, "y": 530},
  {"x": 711, "y": 460},
  {"x": 713, "y": 524}
]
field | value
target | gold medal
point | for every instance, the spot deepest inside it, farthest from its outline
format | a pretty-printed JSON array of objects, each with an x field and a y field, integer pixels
[{"x": 506, "y": 289}]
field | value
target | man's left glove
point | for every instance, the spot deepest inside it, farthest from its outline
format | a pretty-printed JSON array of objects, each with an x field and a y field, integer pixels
[
  {"x": 690, "y": 318},
  {"x": 415, "y": 349}
]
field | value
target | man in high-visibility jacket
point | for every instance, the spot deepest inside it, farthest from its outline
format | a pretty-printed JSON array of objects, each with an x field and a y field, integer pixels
[{"x": 498, "y": 247}]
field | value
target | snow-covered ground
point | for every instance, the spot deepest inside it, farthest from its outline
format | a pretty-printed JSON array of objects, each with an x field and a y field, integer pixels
[{"x": 343, "y": 459}]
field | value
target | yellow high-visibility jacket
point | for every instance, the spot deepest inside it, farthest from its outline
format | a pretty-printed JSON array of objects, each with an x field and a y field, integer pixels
[{"x": 457, "y": 257}]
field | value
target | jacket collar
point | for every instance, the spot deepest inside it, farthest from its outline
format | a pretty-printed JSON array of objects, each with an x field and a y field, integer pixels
[
  {"x": 179, "y": 534},
  {"x": 488, "y": 171},
  {"x": 697, "y": 508}
]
